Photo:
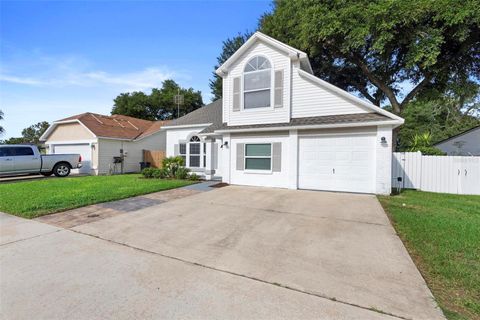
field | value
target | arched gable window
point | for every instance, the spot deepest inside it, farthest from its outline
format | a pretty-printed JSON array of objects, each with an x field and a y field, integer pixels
[{"x": 257, "y": 83}]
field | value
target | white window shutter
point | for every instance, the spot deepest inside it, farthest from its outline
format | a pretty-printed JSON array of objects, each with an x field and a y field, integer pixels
[
  {"x": 236, "y": 94},
  {"x": 176, "y": 150},
  {"x": 240, "y": 156},
  {"x": 278, "y": 90},
  {"x": 277, "y": 157}
]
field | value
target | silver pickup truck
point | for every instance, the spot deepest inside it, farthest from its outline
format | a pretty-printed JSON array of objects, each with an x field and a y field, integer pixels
[{"x": 24, "y": 159}]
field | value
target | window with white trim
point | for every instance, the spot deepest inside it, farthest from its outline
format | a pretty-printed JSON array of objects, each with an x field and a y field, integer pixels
[
  {"x": 258, "y": 156},
  {"x": 257, "y": 83},
  {"x": 194, "y": 150}
]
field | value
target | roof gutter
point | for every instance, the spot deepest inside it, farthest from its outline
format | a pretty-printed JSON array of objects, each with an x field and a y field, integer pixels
[
  {"x": 394, "y": 123},
  {"x": 186, "y": 126}
]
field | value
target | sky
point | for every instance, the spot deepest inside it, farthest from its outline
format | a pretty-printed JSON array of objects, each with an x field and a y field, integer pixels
[{"x": 60, "y": 58}]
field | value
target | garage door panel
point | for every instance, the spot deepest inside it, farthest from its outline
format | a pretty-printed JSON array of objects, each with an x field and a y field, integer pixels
[
  {"x": 83, "y": 149},
  {"x": 341, "y": 163}
]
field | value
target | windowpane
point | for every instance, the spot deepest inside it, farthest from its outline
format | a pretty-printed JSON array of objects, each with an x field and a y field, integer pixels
[
  {"x": 184, "y": 160},
  {"x": 263, "y": 63},
  {"x": 6, "y": 152},
  {"x": 250, "y": 67},
  {"x": 257, "y": 63},
  {"x": 183, "y": 148},
  {"x": 23, "y": 151},
  {"x": 258, "y": 150},
  {"x": 194, "y": 161},
  {"x": 194, "y": 148},
  {"x": 257, "y": 80},
  {"x": 257, "y": 99},
  {"x": 257, "y": 163}
]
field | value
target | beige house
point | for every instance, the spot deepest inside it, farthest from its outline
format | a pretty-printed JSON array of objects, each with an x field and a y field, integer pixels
[{"x": 99, "y": 139}]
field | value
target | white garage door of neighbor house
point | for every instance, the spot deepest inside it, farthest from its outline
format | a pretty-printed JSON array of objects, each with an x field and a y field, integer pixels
[
  {"x": 337, "y": 163},
  {"x": 83, "y": 149}
]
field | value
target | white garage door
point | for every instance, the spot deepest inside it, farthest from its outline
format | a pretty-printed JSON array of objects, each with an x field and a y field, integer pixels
[
  {"x": 83, "y": 149},
  {"x": 337, "y": 163}
]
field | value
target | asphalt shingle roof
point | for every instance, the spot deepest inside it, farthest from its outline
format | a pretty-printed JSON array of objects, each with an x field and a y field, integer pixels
[
  {"x": 211, "y": 113},
  {"x": 117, "y": 126},
  {"x": 334, "y": 119}
]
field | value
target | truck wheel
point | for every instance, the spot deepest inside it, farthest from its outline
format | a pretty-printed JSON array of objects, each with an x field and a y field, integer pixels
[
  {"x": 46, "y": 174},
  {"x": 61, "y": 170}
]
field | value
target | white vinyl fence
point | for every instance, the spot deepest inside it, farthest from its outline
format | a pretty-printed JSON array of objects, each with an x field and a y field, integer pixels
[{"x": 445, "y": 174}]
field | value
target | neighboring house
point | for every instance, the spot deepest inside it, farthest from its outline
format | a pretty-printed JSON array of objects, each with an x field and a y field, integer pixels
[
  {"x": 100, "y": 138},
  {"x": 466, "y": 143},
  {"x": 280, "y": 126}
]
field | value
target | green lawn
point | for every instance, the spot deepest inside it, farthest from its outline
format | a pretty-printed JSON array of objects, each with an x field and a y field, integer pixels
[
  {"x": 442, "y": 234},
  {"x": 31, "y": 199}
]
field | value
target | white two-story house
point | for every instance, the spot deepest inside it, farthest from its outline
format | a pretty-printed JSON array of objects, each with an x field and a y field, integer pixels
[{"x": 280, "y": 126}]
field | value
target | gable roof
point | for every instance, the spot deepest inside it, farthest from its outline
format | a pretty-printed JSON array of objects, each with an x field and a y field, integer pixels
[
  {"x": 112, "y": 127},
  {"x": 207, "y": 115},
  {"x": 458, "y": 135},
  {"x": 258, "y": 36}
]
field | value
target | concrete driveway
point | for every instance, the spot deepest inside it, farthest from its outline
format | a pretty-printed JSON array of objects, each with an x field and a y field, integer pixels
[{"x": 235, "y": 252}]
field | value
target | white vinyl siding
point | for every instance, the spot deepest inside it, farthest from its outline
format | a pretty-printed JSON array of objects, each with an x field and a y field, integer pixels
[
  {"x": 279, "y": 61},
  {"x": 311, "y": 100}
]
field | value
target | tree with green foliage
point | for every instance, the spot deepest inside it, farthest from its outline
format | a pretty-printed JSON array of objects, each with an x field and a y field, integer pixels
[
  {"x": 2, "y": 130},
  {"x": 229, "y": 47},
  {"x": 380, "y": 48},
  {"x": 31, "y": 134},
  {"x": 441, "y": 117},
  {"x": 159, "y": 104}
]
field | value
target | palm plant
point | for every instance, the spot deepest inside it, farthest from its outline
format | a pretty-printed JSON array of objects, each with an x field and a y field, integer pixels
[
  {"x": 1, "y": 118},
  {"x": 423, "y": 143},
  {"x": 421, "y": 140}
]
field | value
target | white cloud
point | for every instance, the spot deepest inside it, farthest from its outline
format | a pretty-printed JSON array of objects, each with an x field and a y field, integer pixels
[
  {"x": 70, "y": 71},
  {"x": 20, "y": 80}
]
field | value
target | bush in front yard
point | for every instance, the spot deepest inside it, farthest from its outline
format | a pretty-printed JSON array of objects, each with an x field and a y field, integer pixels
[
  {"x": 171, "y": 165},
  {"x": 172, "y": 169},
  {"x": 148, "y": 172},
  {"x": 154, "y": 173},
  {"x": 160, "y": 173},
  {"x": 194, "y": 177},
  {"x": 182, "y": 173}
]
